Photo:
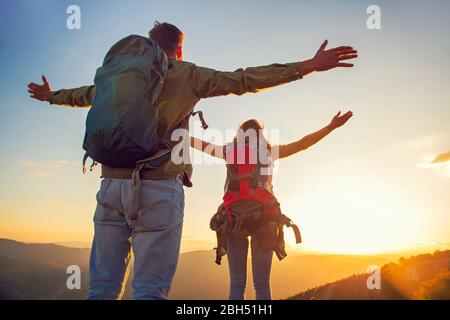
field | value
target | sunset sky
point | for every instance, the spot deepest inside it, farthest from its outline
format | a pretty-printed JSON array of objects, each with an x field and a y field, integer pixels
[{"x": 377, "y": 184}]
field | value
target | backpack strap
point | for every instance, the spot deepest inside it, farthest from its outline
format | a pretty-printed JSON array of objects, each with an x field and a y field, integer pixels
[
  {"x": 285, "y": 221},
  {"x": 220, "y": 224},
  {"x": 148, "y": 163},
  {"x": 91, "y": 167},
  {"x": 279, "y": 249},
  {"x": 85, "y": 157},
  {"x": 280, "y": 246},
  {"x": 153, "y": 162},
  {"x": 298, "y": 236},
  {"x": 202, "y": 119},
  {"x": 239, "y": 177},
  {"x": 221, "y": 247}
]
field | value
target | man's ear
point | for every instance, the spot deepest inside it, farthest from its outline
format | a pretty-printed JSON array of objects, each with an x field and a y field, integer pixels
[{"x": 180, "y": 52}]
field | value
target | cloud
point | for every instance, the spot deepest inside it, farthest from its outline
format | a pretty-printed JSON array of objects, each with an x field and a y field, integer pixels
[
  {"x": 35, "y": 168},
  {"x": 44, "y": 171},
  {"x": 439, "y": 163},
  {"x": 29, "y": 164},
  {"x": 422, "y": 143},
  {"x": 442, "y": 157},
  {"x": 63, "y": 163}
]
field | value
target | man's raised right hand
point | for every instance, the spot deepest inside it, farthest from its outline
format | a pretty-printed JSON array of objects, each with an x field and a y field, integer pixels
[
  {"x": 40, "y": 92},
  {"x": 326, "y": 59}
]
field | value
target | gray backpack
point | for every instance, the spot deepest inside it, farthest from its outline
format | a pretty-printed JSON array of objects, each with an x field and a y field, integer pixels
[{"x": 121, "y": 126}]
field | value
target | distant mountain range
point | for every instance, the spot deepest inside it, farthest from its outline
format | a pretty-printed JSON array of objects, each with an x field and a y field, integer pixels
[
  {"x": 38, "y": 271},
  {"x": 425, "y": 276}
]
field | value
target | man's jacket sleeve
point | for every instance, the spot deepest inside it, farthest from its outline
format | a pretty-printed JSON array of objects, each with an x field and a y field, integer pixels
[
  {"x": 77, "y": 97},
  {"x": 209, "y": 83}
]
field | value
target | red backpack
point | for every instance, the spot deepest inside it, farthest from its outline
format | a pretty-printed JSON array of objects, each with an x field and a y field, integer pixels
[
  {"x": 250, "y": 203},
  {"x": 245, "y": 181}
]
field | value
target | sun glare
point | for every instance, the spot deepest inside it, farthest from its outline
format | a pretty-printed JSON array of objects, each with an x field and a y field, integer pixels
[{"x": 353, "y": 220}]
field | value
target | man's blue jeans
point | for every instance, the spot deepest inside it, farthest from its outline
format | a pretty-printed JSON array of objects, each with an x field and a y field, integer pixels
[
  {"x": 154, "y": 236},
  {"x": 237, "y": 250}
]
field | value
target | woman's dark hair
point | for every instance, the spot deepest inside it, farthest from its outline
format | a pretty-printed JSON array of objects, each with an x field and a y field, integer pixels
[{"x": 253, "y": 124}]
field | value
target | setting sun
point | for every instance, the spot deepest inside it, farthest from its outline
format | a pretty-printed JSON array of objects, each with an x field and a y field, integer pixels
[{"x": 354, "y": 220}]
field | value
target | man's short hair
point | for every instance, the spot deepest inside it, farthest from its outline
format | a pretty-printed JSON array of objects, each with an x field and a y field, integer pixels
[{"x": 168, "y": 36}]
